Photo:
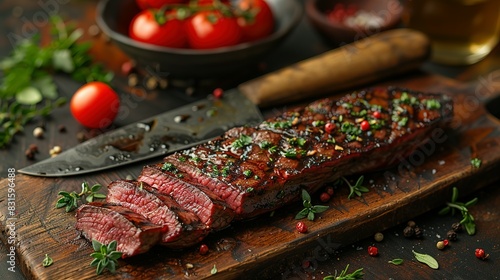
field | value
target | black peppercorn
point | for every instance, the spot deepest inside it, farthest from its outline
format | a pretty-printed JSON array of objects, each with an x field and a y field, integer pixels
[
  {"x": 457, "y": 227},
  {"x": 408, "y": 231},
  {"x": 451, "y": 235},
  {"x": 62, "y": 128},
  {"x": 29, "y": 154},
  {"x": 418, "y": 232}
]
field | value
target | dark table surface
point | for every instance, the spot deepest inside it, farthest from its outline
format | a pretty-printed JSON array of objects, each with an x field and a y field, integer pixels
[{"x": 456, "y": 262}]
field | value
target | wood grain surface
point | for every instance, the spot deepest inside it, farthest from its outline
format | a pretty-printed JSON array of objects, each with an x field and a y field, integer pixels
[{"x": 396, "y": 195}]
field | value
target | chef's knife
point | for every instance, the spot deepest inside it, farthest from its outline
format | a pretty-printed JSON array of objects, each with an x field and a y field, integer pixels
[{"x": 373, "y": 58}]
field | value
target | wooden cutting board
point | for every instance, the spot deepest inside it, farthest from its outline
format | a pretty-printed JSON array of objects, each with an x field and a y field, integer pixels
[{"x": 396, "y": 195}]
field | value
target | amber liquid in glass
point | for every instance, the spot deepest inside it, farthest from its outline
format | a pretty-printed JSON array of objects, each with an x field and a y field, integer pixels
[{"x": 461, "y": 31}]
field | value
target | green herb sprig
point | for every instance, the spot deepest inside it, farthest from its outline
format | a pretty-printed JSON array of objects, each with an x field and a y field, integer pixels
[
  {"x": 27, "y": 89},
  {"x": 427, "y": 259},
  {"x": 396, "y": 261},
  {"x": 357, "y": 274},
  {"x": 47, "y": 261},
  {"x": 309, "y": 210},
  {"x": 467, "y": 219},
  {"x": 358, "y": 188},
  {"x": 105, "y": 256},
  {"x": 70, "y": 199}
]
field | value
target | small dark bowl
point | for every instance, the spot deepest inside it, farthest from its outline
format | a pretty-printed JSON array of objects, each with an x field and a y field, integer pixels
[
  {"x": 339, "y": 33},
  {"x": 114, "y": 16}
]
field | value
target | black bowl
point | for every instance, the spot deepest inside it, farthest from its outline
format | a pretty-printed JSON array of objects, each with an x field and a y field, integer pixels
[{"x": 114, "y": 16}]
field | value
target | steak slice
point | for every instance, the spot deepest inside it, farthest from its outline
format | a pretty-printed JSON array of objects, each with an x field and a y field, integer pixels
[
  {"x": 106, "y": 222},
  {"x": 259, "y": 169},
  {"x": 212, "y": 211},
  {"x": 184, "y": 227}
]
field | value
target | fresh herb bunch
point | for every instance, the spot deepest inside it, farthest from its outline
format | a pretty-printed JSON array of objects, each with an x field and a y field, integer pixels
[
  {"x": 27, "y": 89},
  {"x": 467, "y": 219},
  {"x": 70, "y": 199},
  {"x": 105, "y": 256},
  {"x": 357, "y": 274},
  {"x": 357, "y": 189},
  {"x": 309, "y": 210}
]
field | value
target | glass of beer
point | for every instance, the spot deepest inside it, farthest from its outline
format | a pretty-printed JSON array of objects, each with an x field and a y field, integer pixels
[{"x": 462, "y": 32}]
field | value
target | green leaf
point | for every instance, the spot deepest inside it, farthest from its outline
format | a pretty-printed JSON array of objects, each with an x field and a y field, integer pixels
[
  {"x": 112, "y": 246},
  {"x": 95, "y": 188},
  {"x": 454, "y": 195},
  {"x": 99, "y": 195},
  {"x": 444, "y": 211},
  {"x": 94, "y": 262},
  {"x": 29, "y": 96},
  {"x": 112, "y": 266},
  {"x": 471, "y": 202},
  {"x": 396, "y": 261},
  {"x": 213, "y": 270},
  {"x": 96, "y": 245},
  {"x": 426, "y": 259},
  {"x": 62, "y": 60},
  {"x": 46, "y": 87},
  {"x": 115, "y": 255},
  {"x": 470, "y": 228},
  {"x": 100, "y": 267},
  {"x": 302, "y": 214},
  {"x": 47, "y": 261},
  {"x": 97, "y": 256},
  {"x": 310, "y": 216},
  {"x": 320, "y": 208},
  {"x": 305, "y": 195}
]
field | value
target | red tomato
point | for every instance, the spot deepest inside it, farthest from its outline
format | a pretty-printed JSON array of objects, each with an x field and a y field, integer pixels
[
  {"x": 163, "y": 30},
  {"x": 157, "y": 4},
  {"x": 258, "y": 21},
  {"x": 95, "y": 105},
  {"x": 210, "y": 29}
]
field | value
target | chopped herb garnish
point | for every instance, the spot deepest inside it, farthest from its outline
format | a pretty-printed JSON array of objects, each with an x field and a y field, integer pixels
[
  {"x": 475, "y": 162},
  {"x": 403, "y": 121},
  {"x": 347, "y": 105},
  {"x": 182, "y": 159},
  {"x": 225, "y": 171},
  {"x": 293, "y": 153},
  {"x": 47, "y": 261},
  {"x": 432, "y": 104},
  {"x": 318, "y": 123},
  {"x": 281, "y": 124},
  {"x": 249, "y": 190},
  {"x": 297, "y": 141},
  {"x": 241, "y": 142},
  {"x": 70, "y": 200},
  {"x": 265, "y": 144},
  {"x": 248, "y": 173},
  {"x": 357, "y": 274},
  {"x": 357, "y": 189},
  {"x": 167, "y": 166}
]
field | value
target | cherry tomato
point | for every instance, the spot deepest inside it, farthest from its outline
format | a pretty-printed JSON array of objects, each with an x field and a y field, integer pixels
[
  {"x": 257, "y": 21},
  {"x": 95, "y": 105},
  {"x": 210, "y": 29},
  {"x": 157, "y": 4},
  {"x": 154, "y": 27}
]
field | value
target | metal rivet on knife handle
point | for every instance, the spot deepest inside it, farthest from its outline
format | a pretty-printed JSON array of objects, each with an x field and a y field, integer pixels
[{"x": 356, "y": 64}]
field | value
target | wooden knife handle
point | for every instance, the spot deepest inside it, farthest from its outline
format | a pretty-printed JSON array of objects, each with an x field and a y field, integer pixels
[{"x": 364, "y": 61}]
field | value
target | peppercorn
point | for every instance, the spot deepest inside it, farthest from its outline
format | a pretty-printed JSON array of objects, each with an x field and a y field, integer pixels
[
  {"x": 451, "y": 235},
  {"x": 324, "y": 197},
  {"x": 457, "y": 227},
  {"x": 329, "y": 190},
  {"x": 33, "y": 148},
  {"x": 446, "y": 242},
  {"x": 151, "y": 83},
  {"x": 481, "y": 254},
  {"x": 301, "y": 227},
  {"x": 440, "y": 245},
  {"x": 218, "y": 93},
  {"x": 81, "y": 136},
  {"x": 372, "y": 251},
  {"x": 408, "y": 231},
  {"x": 412, "y": 224},
  {"x": 418, "y": 232},
  {"x": 132, "y": 80},
  {"x": 378, "y": 237},
  {"x": 62, "y": 128},
  {"x": 203, "y": 249},
  {"x": 29, "y": 154},
  {"x": 38, "y": 132}
]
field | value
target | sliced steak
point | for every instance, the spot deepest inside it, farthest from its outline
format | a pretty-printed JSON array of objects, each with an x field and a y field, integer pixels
[
  {"x": 259, "y": 169},
  {"x": 106, "y": 222},
  {"x": 194, "y": 197},
  {"x": 184, "y": 227}
]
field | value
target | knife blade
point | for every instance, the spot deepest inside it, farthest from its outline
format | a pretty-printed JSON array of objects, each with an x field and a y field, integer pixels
[{"x": 373, "y": 58}]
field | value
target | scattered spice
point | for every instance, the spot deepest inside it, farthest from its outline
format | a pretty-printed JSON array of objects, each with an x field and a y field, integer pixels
[
  {"x": 378, "y": 237},
  {"x": 426, "y": 259},
  {"x": 481, "y": 254},
  {"x": 408, "y": 231},
  {"x": 61, "y": 128},
  {"x": 440, "y": 245},
  {"x": 324, "y": 197},
  {"x": 457, "y": 227},
  {"x": 419, "y": 233},
  {"x": 301, "y": 227},
  {"x": 412, "y": 224},
  {"x": 218, "y": 93},
  {"x": 329, "y": 190},
  {"x": 203, "y": 249},
  {"x": 451, "y": 235},
  {"x": 38, "y": 132}
]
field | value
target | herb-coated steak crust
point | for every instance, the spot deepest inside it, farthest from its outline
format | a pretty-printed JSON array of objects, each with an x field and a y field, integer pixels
[
  {"x": 106, "y": 222},
  {"x": 259, "y": 169}
]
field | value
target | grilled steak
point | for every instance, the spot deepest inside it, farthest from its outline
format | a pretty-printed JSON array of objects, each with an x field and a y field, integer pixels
[
  {"x": 259, "y": 169},
  {"x": 184, "y": 227},
  {"x": 210, "y": 209},
  {"x": 251, "y": 170},
  {"x": 133, "y": 233}
]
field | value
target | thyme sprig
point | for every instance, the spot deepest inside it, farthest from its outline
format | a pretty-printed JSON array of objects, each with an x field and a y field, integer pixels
[
  {"x": 70, "y": 199},
  {"x": 357, "y": 274},
  {"x": 309, "y": 210},
  {"x": 467, "y": 219},
  {"x": 358, "y": 188},
  {"x": 105, "y": 256}
]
